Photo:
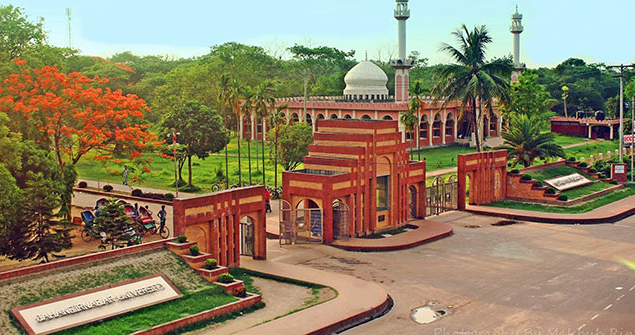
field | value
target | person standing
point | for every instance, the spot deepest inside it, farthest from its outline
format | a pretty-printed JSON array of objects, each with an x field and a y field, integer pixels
[{"x": 125, "y": 174}]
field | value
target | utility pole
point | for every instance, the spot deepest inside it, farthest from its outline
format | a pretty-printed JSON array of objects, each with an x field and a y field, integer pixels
[
  {"x": 174, "y": 134},
  {"x": 621, "y": 75},
  {"x": 68, "y": 15}
]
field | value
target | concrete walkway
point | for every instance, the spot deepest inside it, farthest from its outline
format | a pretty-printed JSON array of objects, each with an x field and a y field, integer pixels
[
  {"x": 428, "y": 231},
  {"x": 606, "y": 214},
  {"x": 357, "y": 301},
  {"x": 128, "y": 188}
]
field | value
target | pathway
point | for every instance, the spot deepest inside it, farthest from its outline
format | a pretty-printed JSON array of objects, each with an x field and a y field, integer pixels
[
  {"x": 357, "y": 301},
  {"x": 128, "y": 188}
]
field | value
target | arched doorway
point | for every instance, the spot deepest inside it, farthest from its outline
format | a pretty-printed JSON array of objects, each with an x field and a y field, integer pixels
[
  {"x": 387, "y": 118},
  {"x": 412, "y": 202},
  {"x": 308, "y": 222},
  {"x": 423, "y": 127},
  {"x": 449, "y": 126},
  {"x": 341, "y": 220},
  {"x": 308, "y": 119},
  {"x": 436, "y": 126},
  {"x": 366, "y": 117},
  {"x": 294, "y": 118},
  {"x": 334, "y": 116},
  {"x": 247, "y": 236},
  {"x": 348, "y": 116}
]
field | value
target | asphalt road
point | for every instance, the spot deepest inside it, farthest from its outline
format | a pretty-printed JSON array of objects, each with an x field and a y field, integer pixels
[{"x": 526, "y": 278}]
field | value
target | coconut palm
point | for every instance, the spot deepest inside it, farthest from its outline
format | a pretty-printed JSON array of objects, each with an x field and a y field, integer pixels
[
  {"x": 408, "y": 118},
  {"x": 416, "y": 91},
  {"x": 263, "y": 100},
  {"x": 224, "y": 99},
  {"x": 524, "y": 142},
  {"x": 275, "y": 119},
  {"x": 473, "y": 81},
  {"x": 234, "y": 90},
  {"x": 247, "y": 94}
]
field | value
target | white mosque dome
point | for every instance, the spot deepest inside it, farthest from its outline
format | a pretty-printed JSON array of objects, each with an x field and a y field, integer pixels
[{"x": 366, "y": 81}]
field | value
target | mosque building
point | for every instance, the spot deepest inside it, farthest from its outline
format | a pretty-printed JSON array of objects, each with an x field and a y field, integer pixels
[{"x": 366, "y": 97}]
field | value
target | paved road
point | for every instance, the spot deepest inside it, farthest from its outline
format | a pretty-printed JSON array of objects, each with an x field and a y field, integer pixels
[{"x": 520, "y": 279}]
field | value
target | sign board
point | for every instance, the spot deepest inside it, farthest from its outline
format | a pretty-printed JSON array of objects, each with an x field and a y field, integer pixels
[
  {"x": 568, "y": 182},
  {"x": 618, "y": 172},
  {"x": 79, "y": 308},
  {"x": 628, "y": 140}
]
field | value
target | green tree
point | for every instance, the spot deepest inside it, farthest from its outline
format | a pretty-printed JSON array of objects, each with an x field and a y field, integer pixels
[
  {"x": 473, "y": 81},
  {"x": 409, "y": 118},
  {"x": 293, "y": 144},
  {"x": 18, "y": 33},
  {"x": 246, "y": 110},
  {"x": 201, "y": 131},
  {"x": 528, "y": 97},
  {"x": 263, "y": 100},
  {"x": 225, "y": 102},
  {"x": 524, "y": 141},
  {"x": 276, "y": 119},
  {"x": 116, "y": 226},
  {"x": 417, "y": 90}
]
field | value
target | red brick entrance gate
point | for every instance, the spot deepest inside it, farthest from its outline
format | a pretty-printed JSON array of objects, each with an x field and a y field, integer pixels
[{"x": 487, "y": 173}]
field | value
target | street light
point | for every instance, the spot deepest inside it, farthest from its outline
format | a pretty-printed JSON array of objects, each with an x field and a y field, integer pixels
[
  {"x": 565, "y": 95},
  {"x": 174, "y": 134}
]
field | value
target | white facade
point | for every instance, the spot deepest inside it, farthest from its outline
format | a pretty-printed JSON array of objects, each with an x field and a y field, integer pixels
[{"x": 366, "y": 81}]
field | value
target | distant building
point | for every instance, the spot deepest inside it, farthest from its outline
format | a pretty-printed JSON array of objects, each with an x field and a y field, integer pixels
[
  {"x": 366, "y": 97},
  {"x": 589, "y": 127}
]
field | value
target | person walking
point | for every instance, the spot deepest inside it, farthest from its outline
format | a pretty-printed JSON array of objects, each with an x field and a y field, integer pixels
[{"x": 125, "y": 175}]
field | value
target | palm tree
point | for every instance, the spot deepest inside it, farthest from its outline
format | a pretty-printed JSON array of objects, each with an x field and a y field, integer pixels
[
  {"x": 408, "y": 118},
  {"x": 247, "y": 94},
  {"x": 224, "y": 99},
  {"x": 274, "y": 122},
  {"x": 234, "y": 98},
  {"x": 524, "y": 142},
  {"x": 473, "y": 81},
  {"x": 416, "y": 91},
  {"x": 263, "y": 100}
]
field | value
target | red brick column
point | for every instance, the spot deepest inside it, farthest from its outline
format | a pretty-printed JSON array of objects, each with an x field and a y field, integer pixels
[{"x": 461, "y": 182}]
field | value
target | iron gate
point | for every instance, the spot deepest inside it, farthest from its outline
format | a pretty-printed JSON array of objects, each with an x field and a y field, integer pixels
[
  {"x": 441, "y": 196},
  {"x": 341, "y": 220},
  {"x": 302, "y": 225},
  {"x": 246, "y": 236}
]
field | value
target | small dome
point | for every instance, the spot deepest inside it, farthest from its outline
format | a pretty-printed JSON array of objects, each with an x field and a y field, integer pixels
[{"x": 366, "y": 81}]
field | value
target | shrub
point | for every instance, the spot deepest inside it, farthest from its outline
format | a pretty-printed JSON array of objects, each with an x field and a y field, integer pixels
[
  {"x": 526, "y": 177},
  {"x": 107, "y": 188},
  {"x": 226, "y": 278},
  {"x": 82, "y": 184},
  {"x": 613, "y": 182},
  {"x": 550, "y": 190},
  {"x": 593, "y": 170},
  {"x": 571, "y": 159},
  {"x": 515, "y": 171},
  {"x": 538, "y": 184},
  {"x": 563, "y": 197},
  {"x": 603, "y": 176},
  {"x": 583, "y": 164},
  {"x": 136, "y": 193},
  {"x": 190, "y": 188},
  {"x": 241, "y": 293},
  {"x": 194, "y": 250},
  {"x": 168, "y": 196},
  {"x": 181, "y": 238},
  {"x": 211, "y": 264}
]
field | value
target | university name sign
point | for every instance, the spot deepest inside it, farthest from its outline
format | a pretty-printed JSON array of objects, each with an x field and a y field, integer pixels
[
  {"x": 568, "y": 182},
  {"x": 72, "y": 310}
]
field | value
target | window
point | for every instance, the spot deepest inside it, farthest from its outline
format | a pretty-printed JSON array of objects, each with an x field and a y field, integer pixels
[{"x": 383, "y": 193}]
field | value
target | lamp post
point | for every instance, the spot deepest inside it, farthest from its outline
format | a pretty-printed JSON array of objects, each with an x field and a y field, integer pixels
[
  {"x": 565, "y": 95},
  {"x": 174, "y": 134}
]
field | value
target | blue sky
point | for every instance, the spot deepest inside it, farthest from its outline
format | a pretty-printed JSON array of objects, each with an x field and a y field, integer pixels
[{"x": 597, "y": 31}]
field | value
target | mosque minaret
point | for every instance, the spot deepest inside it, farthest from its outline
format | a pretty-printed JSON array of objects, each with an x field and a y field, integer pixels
[
  {"x": 402, "y": 64},
  {"x": 517, "y": 28}
]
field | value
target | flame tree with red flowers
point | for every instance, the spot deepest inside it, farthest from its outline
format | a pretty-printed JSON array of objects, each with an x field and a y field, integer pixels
[{"x": 73, "y": 115}]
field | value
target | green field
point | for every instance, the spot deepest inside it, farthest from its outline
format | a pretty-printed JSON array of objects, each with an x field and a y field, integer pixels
[
  {"x": 564, "y": 140},
  {"x": 592, "y": 148},
  {"x": 581, "y": 208},
  {"x": 442, "y": 157},
  {"x": 205, "y": 172},
  {"x": 564, "y": 170}
]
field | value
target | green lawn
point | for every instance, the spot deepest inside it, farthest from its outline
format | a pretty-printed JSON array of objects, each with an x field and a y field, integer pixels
[
  {"x": 592, "y": 148},
  {"x": 581, "y": 208},
  {"x": 205, "y": 172},
  {"x": 564, "y": 170},
  {"x": 442, "y": 157},
  {"x": 568, "y": 140}
]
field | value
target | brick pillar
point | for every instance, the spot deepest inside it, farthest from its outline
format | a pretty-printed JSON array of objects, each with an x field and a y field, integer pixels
[
  {"x": 461, "y": 182},
  {"x": 178, "y": 217}
]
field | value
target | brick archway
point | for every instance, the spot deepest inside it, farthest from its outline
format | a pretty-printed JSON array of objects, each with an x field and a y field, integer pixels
[{"x": 487, "y": 172}]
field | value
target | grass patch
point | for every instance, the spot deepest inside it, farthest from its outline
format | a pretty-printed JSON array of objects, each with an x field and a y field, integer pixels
[
  {"x": 204, "y": 171},
  {"x": 581, "y": 208},
  {"x": 592, "y": 148},
  {"x": 568, "y": 140},
  {"x": 441, "y": 158},
  {"x": 146, "y": 318}
]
